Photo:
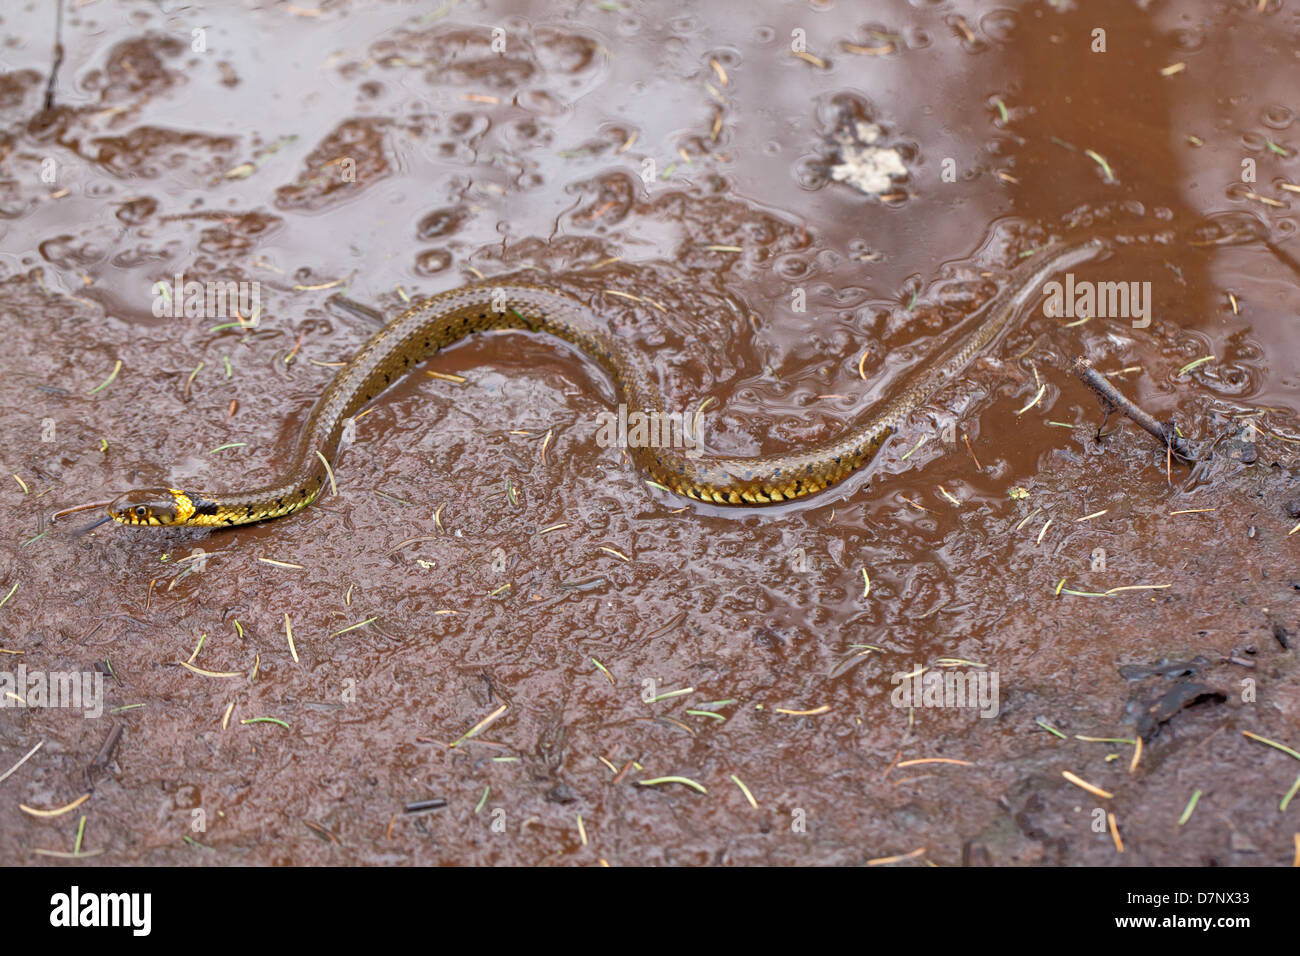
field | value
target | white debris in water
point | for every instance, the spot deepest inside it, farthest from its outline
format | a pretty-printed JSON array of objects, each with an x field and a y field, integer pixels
[
  {"x": 866, "y": 166},
  {"x": 868, "y": 133}
]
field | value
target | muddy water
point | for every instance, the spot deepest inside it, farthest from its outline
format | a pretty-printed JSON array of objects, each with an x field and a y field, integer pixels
[{"x": 498, "y": 629}]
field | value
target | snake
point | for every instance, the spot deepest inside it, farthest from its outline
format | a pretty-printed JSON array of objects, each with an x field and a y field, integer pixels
[{"x": 435, "y": 323}]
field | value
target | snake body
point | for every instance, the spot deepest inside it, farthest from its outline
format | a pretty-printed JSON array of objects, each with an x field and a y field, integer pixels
[{"x": 440, "y": 321}]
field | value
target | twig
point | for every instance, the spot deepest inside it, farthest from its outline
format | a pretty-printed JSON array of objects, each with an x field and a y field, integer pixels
[
  {"x": 21, "y": 762},
  {"x": 342, "y": 302},
  {"x": 58, "y": 54},
  {"x": 104, "y": 755},
  {"x": 1112, "y": 399}
]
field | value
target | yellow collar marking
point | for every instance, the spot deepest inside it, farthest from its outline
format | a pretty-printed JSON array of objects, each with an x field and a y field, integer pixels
[{"x": 184, "y": 505}]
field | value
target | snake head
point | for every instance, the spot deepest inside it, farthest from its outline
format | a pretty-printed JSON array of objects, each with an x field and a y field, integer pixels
[{"x": 151, "y": 506}]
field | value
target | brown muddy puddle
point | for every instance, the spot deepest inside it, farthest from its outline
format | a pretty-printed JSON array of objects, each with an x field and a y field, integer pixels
[{"x": 499, "y": 631}]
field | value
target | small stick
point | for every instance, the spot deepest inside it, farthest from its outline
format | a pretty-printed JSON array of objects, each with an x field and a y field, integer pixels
[
  {"x": 21, "y": 762},
  {"x": 105, "y": 755},
  {"x": 1111, "y": 399},
  {"x": 106, "y": 750},
  {"x": 418, "y": 806},
  {"x": 58, "y": 55},
  {"x": 342, "y": 302}
]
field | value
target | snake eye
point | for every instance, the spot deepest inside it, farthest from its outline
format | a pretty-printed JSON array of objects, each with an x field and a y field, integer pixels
[{"x": 141, "y": 511}]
